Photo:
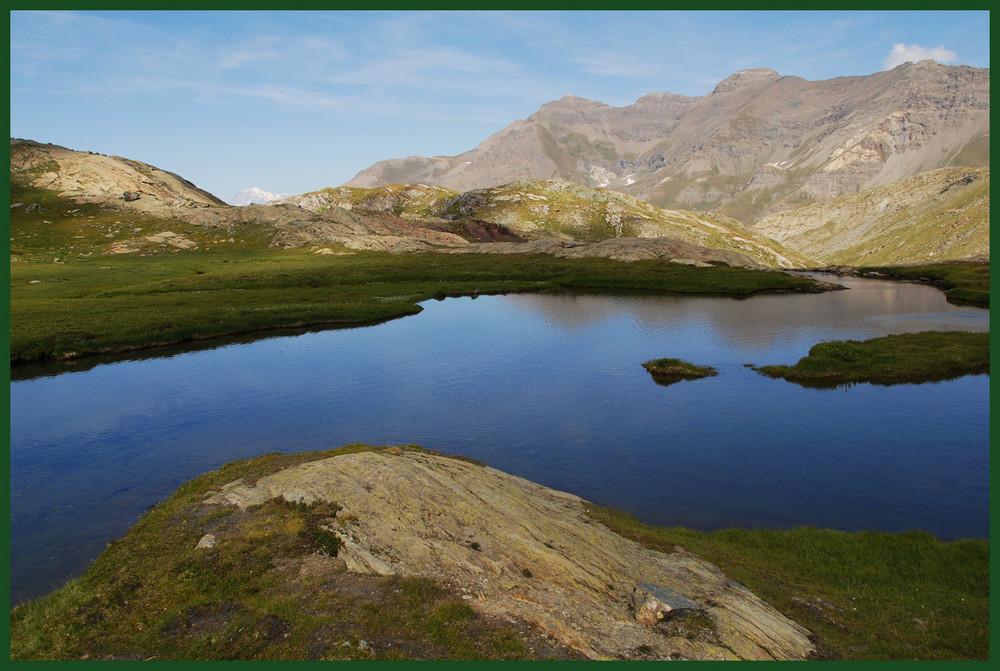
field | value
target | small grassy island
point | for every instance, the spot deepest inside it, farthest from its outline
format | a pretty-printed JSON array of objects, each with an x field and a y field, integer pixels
[
  {"x": 896, "y": 359},
  {"x": 669, "y": 371}
]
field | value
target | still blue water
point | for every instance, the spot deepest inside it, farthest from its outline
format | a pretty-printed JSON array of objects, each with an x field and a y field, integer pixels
[{"x": 546, "y": 387}]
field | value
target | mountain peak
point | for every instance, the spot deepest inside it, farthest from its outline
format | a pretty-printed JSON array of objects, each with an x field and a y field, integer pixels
[
  {"x": 570, "y": 102},
  {"x": 744, "y": 78},
  {"x": 256, "y": 196}
]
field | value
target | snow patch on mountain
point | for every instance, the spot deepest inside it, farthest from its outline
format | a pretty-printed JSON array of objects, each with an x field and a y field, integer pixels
[{"x": 256, "y": 196}]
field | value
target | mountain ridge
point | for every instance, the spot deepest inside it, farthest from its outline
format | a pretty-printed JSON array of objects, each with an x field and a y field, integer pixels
[{"x": 759, "y": 143}]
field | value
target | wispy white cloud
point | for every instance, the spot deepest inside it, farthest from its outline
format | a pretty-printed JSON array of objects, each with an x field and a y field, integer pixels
[
  {"x": 913, "y": 53},
  {"x": 307, "y": 53},
  {"x": 617, "y": 64}
]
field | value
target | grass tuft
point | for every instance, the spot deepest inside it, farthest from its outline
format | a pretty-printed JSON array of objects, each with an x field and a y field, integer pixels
[{"x": 668, "y": 371}]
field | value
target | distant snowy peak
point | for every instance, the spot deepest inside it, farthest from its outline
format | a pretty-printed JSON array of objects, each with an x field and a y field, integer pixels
[{"x": 256, "y": 196}]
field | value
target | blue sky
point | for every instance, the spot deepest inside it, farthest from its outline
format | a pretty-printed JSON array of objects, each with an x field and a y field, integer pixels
[{"x": 297, "y": 101}]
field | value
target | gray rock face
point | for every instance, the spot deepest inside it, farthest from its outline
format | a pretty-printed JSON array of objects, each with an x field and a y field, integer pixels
[
  {"x": 759, "y": 143},
  {"x": 515, "y": 548}
]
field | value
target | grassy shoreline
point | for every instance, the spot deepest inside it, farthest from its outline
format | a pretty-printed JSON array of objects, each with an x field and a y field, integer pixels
[
  {"x": 964, "y": 282},
  {"x": 153, "y": 594},
  {"x": 118, "y": 304}
]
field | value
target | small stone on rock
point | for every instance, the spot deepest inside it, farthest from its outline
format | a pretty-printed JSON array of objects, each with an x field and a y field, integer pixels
[
  {"x": 207, "y": 541},
  {"x": 655, "y": 603}
]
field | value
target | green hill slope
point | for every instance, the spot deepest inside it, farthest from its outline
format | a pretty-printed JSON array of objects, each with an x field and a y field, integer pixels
[{"x": 933, "y": 216}]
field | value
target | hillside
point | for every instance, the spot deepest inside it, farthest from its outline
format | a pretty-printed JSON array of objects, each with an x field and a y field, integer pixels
[
  {"x": 535, "y": 209},
  {"x": 759, "y": 143},
  {"x": 85, "y": 176},
  {"x": 74, "y": 204},
  {"x": 934, "y": 216},
  {"x": 411, "y": 199}
]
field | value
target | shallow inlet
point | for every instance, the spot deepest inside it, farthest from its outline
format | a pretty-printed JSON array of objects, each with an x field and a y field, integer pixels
[{"x": 550, "y": 388}]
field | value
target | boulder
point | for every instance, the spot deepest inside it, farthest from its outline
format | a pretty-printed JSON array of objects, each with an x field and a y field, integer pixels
[{"x": 655, "y": 603}]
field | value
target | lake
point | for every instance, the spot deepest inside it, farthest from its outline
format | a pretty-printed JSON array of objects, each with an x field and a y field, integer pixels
[{"x": 547, "y": 387}]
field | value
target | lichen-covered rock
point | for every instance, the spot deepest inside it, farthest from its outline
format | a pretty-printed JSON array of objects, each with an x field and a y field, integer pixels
[{"x": 522, "y": 550}]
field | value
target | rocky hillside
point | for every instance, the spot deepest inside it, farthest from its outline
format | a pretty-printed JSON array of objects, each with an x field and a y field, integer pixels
[
  {"x": 560, "y": 211},
  {"x": 107, "y": 180},
  {"x": 411, "y": 199},
  {"x": 933, "y": 216},
  {"x": 759, "y": 143},
  {"x": 67, "y": 203},
  {"x": 566, "y": 210}
]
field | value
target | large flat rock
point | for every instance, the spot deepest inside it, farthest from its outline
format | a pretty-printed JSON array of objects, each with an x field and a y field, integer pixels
[{"x": 518, "y": 549}]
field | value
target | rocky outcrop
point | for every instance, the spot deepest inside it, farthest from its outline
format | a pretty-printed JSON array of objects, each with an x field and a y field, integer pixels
[
  {"x": 759, "y": 143},
  {"x": 516, "y": 549},
  {"x": 108, "y": 180}
]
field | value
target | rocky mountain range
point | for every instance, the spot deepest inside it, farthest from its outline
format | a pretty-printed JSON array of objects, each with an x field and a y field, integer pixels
[
  {"x": 759, "y": 143},
  {"x": 739, "y": 158}
]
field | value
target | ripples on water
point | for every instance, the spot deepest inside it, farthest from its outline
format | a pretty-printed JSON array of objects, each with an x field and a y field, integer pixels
[{"x": 546, "y": 387}]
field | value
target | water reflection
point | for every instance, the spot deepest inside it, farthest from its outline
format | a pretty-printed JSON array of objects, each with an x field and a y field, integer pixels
[{"x": 762, "y": 324}]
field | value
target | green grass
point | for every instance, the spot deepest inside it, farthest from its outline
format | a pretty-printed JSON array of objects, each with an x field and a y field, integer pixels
[
  {"x": 154, "y": 595},
  {"x": 865, "y": 596},
  {"x": 894, "y": 359},
  {"x": 667, "y": 371},
  {"x": 963, "y": 282},
  {"x": 121, "y": 303}
]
